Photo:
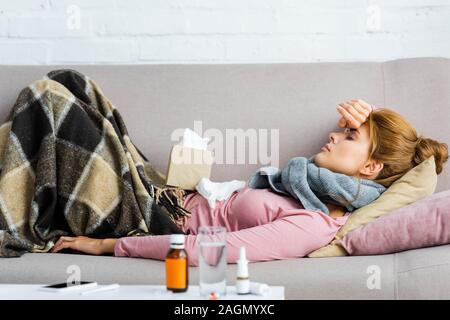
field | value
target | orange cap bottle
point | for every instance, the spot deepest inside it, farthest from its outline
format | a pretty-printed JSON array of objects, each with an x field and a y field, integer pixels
[{"x": 177, "y": 279}]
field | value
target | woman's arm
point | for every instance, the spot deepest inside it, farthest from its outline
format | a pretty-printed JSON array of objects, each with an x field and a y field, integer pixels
[
  {"x": 85, "y": 244},
  {"x": 290, "y": 237}
]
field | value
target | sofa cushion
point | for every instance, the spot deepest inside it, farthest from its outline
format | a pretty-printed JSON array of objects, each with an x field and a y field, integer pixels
[{"x": 424, "y": 223}]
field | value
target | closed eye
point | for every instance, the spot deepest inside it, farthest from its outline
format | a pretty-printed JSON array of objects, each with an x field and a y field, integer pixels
[{"x": 349, "y": 132}]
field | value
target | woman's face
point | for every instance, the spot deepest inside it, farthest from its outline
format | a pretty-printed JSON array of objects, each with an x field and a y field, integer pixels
[{"x": 347, "y": 152}]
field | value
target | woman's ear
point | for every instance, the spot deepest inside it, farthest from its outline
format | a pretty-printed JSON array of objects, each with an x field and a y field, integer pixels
[{"x": 371, "y": 168}]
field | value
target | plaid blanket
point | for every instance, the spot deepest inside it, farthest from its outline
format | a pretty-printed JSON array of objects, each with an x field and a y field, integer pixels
[{"x": 68, "y": 167}]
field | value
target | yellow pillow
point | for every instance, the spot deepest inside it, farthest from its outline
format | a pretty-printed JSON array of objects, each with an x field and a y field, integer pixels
[{"x": 417, "y": 183}]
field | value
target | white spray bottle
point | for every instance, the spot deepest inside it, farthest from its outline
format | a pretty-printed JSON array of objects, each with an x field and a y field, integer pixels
[{"x": 242, "y": 280}]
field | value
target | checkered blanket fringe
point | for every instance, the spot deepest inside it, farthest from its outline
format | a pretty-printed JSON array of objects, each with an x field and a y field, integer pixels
[{"x": 68, "y": 167}]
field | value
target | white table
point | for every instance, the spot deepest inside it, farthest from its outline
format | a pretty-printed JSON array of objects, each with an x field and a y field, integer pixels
[{"x": 127, "y": 292}]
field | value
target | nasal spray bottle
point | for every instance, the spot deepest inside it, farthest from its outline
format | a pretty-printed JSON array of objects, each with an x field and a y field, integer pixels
[{"x": 242, "y": 280}]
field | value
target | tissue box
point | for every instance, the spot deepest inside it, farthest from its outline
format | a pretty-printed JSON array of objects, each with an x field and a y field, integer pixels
[{"x": 187, "y": 166}]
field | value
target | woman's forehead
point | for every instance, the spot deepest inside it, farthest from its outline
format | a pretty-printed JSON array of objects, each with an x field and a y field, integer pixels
[{"x": 364, "y": 131}]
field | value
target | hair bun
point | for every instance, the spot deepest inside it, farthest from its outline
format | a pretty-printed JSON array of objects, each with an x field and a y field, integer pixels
[{"x": 426, "y": 148}]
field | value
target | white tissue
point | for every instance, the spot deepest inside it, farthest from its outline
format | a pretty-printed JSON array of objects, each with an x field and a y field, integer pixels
[
  {"x": 213, "y": 191},
  {"x": 192, "y": 140},
  {"x": 270, "y": 170}
]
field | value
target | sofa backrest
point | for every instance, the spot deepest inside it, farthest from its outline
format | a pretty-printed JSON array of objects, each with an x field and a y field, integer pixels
[{"x": 297, "y": 99}]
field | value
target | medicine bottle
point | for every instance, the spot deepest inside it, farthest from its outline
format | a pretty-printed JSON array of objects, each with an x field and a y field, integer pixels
[{"x": 177, "y": 279}]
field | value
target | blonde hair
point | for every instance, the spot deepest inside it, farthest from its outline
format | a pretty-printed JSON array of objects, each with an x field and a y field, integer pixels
[{"x": 396, "y": 144}]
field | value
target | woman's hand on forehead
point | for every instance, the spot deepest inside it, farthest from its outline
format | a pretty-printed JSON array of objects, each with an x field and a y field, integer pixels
[{"x": 353, "y": 113}]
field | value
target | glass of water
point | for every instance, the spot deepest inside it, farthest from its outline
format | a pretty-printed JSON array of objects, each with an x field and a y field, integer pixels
[{"x": 212, "y": 257}]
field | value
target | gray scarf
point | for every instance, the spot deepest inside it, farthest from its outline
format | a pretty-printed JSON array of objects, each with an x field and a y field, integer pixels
[{"x": 314, "y": 186}]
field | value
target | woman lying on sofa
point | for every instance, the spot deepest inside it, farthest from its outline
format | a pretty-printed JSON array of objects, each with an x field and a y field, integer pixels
[{"x": 290, "y": 213}]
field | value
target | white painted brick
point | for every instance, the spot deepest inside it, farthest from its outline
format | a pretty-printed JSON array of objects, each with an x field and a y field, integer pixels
[
  {"x": 231, "y": 4},
  {"x": 326, "y": 48},
  {"x": 268, "y": 48},
  {"x": 268, "y": 4},
  {"x": 372, "y": 48},
  {"x": 156, "y": 22},
  {"x": 260, "y": 21},
  {"x": 62, "y": 5},
  {"x": 215, "y": 21},
  {"x": 356, "y": 48},
  {"x": 21, "y": 6},
  {"x": 152, "y": 4},
  {"x": 23, "y": 52},
  {"x": 322, "y": 4},
  {"x": 260, "y": 4},
  {"x": 410, "y": 3},
  {"x": 29, "y": 26},
  {"x": 93, "y": 50},
  {"x": 3, "y": 25},
  {"x": 243, "y": 48},
  {"x": 222, "y": 31},
  {"x": 320, "y": 21},
  {"x": 230, "y": 21},
  {"x": 190, "y": 48},
  {"x": 415, "y": 20},
  {"x": 426, "y": 46},
  {"x": 286, "y": 48}
]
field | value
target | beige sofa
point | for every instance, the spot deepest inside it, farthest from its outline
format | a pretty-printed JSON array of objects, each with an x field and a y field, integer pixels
[{"x": 297, "y": 99}]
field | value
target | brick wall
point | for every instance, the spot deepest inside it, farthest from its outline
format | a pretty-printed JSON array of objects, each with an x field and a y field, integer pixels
[{"x": 220, "y": 31}]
